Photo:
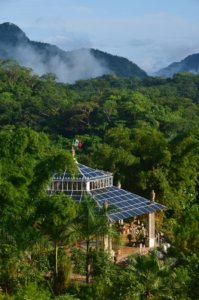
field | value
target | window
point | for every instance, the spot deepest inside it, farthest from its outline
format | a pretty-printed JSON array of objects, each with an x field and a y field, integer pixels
[
  {"x": 57, "y": 185},
  {"x": 79, "y": 186},
  {"x": 70, "y": 186},
  {"x": 65, "y": 186}
]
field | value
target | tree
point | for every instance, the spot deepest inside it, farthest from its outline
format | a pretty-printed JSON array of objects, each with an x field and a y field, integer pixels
[
  {"x": 143, "y": 278},
  {"x": 115, "y": 154},
  {"x": 27, "y": 162},
  {"x": 185, "y": 232},
  {"x": 92, "y": 223},
  {"x": 56, "y": 215}
]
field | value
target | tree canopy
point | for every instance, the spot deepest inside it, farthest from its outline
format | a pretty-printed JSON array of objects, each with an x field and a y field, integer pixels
[{"x": 146, "y": 132}]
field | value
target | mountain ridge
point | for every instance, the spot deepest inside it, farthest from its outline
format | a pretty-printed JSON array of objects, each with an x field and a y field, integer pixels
[
  {"x": 68, "y": 66},
  {"x": 189, "y": 64}
]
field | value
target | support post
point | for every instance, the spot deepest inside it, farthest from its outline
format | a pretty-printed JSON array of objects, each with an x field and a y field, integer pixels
[
  {"x": 88, "y": 186},
  {"x": 106, "y": 242},
  {"x": 119, "y": 187},
  {"x": 152, "y": 224},
  {"x": 110, "y": 241}
]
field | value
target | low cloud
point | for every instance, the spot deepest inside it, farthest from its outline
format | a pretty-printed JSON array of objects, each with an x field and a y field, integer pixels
[
  {"x": 140, "y": 42},
  {"x": 80, "y": 64},
  {"x": 159, "y": 54},
  {"x": 70, "y": 41}
]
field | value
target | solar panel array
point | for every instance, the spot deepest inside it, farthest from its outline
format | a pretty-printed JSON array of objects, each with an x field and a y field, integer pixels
[
  {"x": 75, "y": 195},
  {"x": 66, "y": 175},
  {"x": 85, "y": 172},
  {"x": 92, "y": 173},
  {"x": 123, "y": 204}
]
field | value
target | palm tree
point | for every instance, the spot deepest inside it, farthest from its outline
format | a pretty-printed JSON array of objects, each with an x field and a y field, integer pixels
[
  {"x": 57, "y": 214},
  {"x": 92, "y": 224},
  {"x": 150, "y": 276},
  {"x": 144, "y": 278}
]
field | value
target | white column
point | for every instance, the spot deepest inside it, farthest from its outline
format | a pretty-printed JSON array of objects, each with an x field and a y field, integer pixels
[
  {"x": 88, "y": 186},
  {"x": 151, "y": 230},
  {"x": 106, "y": 242},
  {"x": 152, "y": 224},
  {"x": 119, "y": 187},
  {"x": 110, "y": 240}
]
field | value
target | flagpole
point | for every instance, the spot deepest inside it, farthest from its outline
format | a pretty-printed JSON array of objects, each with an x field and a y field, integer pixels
[{"x": 73, "y": 151}]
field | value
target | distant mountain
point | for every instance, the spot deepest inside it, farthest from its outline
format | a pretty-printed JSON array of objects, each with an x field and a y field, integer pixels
[
  {"x": 189, "y": 64},
  {"x": 68, "y": 66}
]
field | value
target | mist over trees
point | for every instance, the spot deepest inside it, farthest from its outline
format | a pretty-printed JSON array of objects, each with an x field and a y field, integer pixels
[
  {"x": 144, "y": 131},
  {"x": 68, "y": 66}
]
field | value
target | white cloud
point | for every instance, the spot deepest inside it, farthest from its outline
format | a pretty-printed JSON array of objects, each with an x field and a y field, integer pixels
[
  {"x": 152, "y": 40},
  {"x": 140, "y": 42},
  {"x": 70, "y": 41},
  {"x": 81, "y": 65}
]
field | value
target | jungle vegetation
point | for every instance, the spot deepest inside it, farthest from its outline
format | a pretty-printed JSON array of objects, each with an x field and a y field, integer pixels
[{"x": 146, "y": 132}]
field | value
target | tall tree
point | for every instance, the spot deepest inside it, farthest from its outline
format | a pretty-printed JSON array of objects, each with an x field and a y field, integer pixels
[
  {"x": 92, "y": 223},
  {"x": 56, "y": 215}
]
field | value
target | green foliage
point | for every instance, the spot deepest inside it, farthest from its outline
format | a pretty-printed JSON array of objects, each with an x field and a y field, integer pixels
[
  {"x": 32, "y": 292},
  {"x": 115, "y": 154},
  {"x": 64, "y": 273},
  {"x": 79, "y": 259},
  {"x": 24, "y": 250},
  {"x": 56, "y": 213},
  {"x": 192, "y": 266},
  {"x": 145, "y": 132},
  {"x": 186, "y": 231},
  {"x": 66, "y": 297},
  {"x": 92, "y": 225}
]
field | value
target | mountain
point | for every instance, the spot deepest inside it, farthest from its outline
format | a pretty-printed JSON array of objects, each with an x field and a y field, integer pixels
[
  {"x": 189, "y": 64},
  {"x": 68, "y": 66}
]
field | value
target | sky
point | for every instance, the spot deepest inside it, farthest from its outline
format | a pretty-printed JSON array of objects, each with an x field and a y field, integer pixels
[{"x": 151, "y": 33}]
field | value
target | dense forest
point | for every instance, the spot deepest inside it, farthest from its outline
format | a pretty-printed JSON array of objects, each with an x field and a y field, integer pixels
[{"x": 146, "y": 132}]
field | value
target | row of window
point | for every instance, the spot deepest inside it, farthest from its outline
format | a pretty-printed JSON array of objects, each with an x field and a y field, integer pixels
[
  {"x": 68, "y": 186},
  {"x": 81, "y": 186},
  {"x": 101, "y": 183}
]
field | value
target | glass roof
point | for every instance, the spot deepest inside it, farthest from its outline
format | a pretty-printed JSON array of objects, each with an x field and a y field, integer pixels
[
  {"x": 76, "y": 195},
  {"x": 84, "y": 172},
  {"x": 92, "y": 173},
  {"x": 123, "y": 204}
]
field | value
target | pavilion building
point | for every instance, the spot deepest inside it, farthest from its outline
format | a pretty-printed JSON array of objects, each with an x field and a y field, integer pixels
[{"x": 99, "y": 185}]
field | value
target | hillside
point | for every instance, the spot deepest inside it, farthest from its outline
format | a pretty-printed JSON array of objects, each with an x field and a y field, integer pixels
[
  {"x": 68, "y": 66},
  {"x": 143, "y": 131},
  {"x": 189, "y": 64}
]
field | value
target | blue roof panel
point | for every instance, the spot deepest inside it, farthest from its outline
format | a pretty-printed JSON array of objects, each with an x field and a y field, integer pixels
[
  {"x": 92, "y": 173},
  {"x": 124, "y": 204},
  {"x": 84, "y": 172}
]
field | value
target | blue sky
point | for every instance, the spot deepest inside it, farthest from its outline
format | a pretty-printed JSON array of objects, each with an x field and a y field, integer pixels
[{"x": 151, "y": 33}]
